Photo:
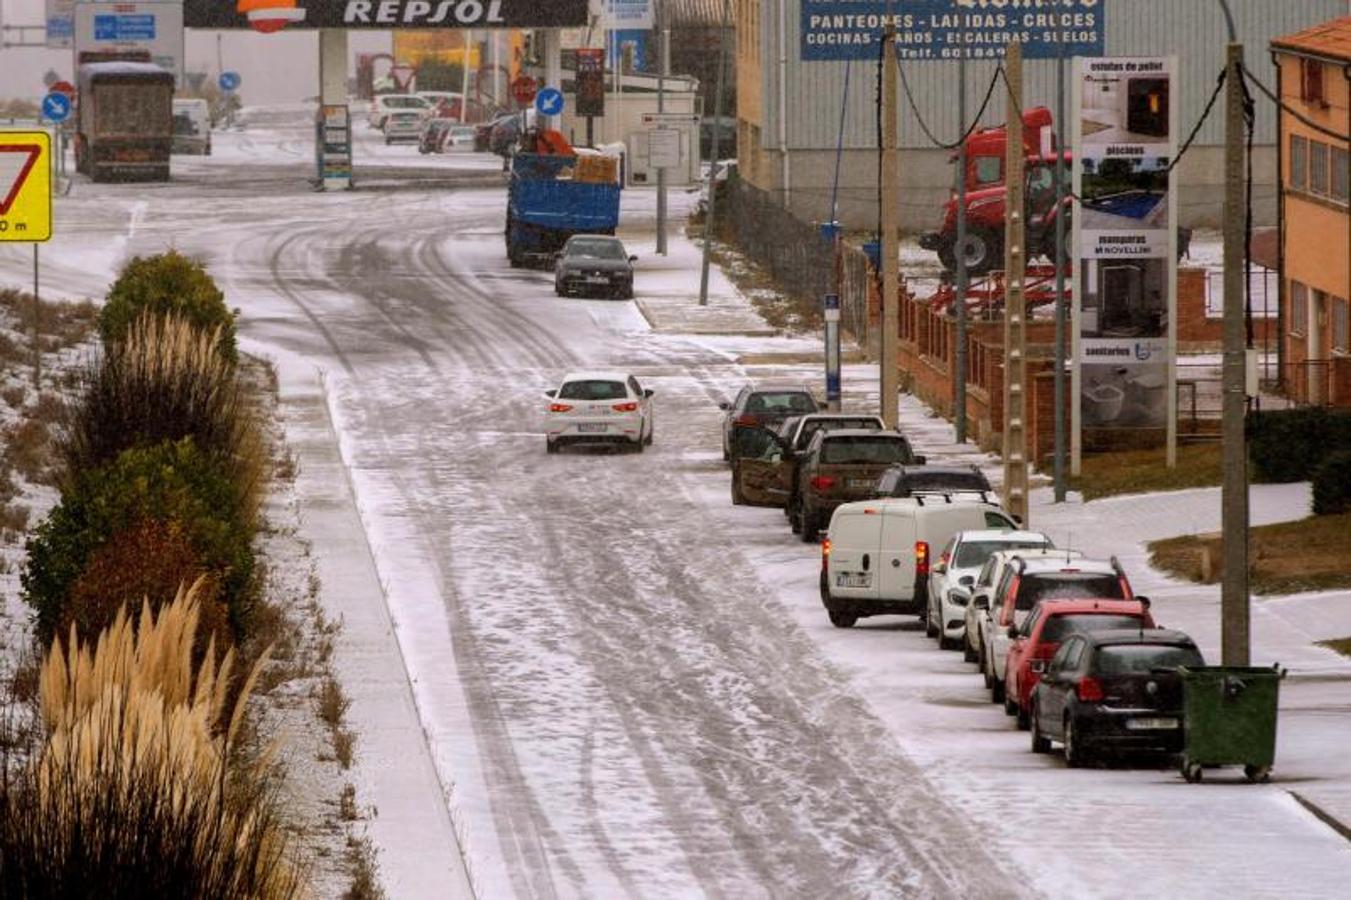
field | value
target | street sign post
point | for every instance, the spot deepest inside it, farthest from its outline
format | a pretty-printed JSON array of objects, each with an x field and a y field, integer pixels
[
  {"x": 832, "y": 316},
  {"x": 26, "y": 207},
  {"x": 229, "y": 81},
  {"x": 549, "y": 102}
]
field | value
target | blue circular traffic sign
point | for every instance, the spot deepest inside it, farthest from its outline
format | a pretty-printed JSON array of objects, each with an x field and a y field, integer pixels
[
  {"x": 229, "y": 81},
  {"x": 56, "y": 107},
  {"x": 549, "y": 101}
]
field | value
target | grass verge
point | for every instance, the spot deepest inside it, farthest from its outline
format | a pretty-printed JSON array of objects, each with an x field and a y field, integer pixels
[
  {"x": 1144, "y": 471},
  {"x": 1341, "y": 645},
  {"x": 1312, "y": 554}
]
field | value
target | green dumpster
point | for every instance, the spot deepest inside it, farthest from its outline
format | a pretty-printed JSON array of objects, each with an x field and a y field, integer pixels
[{"x": 1229, "y": 719}]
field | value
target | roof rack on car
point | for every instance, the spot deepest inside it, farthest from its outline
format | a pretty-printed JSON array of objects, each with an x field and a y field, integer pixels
[{"x": 947, "y": 495}]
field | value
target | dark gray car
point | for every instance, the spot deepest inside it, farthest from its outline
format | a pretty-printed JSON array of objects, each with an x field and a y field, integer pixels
[{"x": 594, "y": 264}]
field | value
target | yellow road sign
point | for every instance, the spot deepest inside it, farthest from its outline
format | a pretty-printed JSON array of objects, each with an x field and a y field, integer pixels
[{"x": 25, "y": 186}]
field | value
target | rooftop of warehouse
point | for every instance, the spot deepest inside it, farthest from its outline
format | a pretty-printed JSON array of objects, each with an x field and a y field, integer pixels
[{"x": 1331, "y": 40}]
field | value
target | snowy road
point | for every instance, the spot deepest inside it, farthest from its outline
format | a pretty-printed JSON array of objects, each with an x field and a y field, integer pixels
[{"x": 625, "y": 684}]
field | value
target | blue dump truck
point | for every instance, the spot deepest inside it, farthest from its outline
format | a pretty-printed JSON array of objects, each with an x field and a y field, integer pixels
[{"x": 546, "y": 205}]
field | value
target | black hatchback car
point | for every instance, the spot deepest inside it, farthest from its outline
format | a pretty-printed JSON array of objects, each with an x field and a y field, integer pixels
[{"x": 1113, "y": 690}]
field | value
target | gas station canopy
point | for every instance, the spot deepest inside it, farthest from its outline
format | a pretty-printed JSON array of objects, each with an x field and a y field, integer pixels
[{"x": 273, "y": 15}]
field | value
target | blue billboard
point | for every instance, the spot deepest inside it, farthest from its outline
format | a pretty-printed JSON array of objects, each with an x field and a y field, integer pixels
[
  {"x": 124, "y": 28},
  {"x": 940, "y": 29}
]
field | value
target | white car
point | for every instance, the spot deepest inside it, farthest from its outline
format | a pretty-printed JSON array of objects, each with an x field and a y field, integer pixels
[
  {"x": 981, "y": 617},
  {"x": 402, "y": 125},
  {"x": 599, "y": 408},
  {"x": 384, "y": 104},
  {"x": 952, "y": 577},
  {"x": 461, "y": 137}
]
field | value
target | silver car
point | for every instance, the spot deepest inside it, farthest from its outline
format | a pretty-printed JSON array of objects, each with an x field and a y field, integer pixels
[
  {"x": 954, "y": 575},
  {"x": 403, "y": 125}
]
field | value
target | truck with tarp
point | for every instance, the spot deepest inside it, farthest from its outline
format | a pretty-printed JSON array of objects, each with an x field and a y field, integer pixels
[
  {"x": 125, "y": 121},
  {"x": 556, "y": 192}
]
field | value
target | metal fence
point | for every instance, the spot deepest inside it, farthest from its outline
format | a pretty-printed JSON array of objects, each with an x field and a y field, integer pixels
[{"x": 796, "y": 254}]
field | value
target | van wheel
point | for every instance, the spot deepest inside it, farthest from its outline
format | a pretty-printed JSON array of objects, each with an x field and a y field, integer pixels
[{"x": 842, "y": 620}]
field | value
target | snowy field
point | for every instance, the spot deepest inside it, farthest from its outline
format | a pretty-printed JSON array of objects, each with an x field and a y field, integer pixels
[{"x": 590, "y": 675}]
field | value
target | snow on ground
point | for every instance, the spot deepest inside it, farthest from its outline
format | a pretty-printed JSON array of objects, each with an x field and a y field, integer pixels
[{"x": 603, "y": 678}]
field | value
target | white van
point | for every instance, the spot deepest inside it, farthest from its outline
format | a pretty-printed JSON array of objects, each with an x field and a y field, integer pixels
[
  {"x": 192, "y": 126},
  {"x": 875, "y": 559}
]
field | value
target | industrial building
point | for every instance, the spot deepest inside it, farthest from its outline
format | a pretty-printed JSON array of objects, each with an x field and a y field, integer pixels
[{"x": 807, "y": 118}]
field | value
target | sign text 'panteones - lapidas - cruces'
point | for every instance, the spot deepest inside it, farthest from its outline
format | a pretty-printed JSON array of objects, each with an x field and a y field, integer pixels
[
  {"x": 944, "y": 29},
  {"x": 388, "y": 14}
]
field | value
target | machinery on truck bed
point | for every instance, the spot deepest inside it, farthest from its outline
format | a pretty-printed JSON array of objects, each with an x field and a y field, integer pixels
[
  {"x": 555, "y": 193},
  {"x": 124, "y": 119}
]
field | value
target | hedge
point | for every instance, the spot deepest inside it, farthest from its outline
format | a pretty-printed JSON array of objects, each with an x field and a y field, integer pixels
[
  {"x": 169, "y": 483},
  {"x": 169, "y": 283},
  {"x": 1332, "y": 485},
  {"x": 1290, "y": 444}
]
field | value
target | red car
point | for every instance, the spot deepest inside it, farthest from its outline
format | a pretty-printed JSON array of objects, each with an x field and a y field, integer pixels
[{"x": 1040, "y": 636}]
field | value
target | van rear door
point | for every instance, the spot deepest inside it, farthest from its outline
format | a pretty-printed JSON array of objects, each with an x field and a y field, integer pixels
[
  {"x": 898, "y": 554},
  {"x": 855, "y": 538}
]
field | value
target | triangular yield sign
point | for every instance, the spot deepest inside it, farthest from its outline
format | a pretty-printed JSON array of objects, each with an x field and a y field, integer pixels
[{"x": 16, "y": 161}]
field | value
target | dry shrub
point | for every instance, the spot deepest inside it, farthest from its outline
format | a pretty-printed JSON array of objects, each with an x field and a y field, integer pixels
[
  {"x": 140, "y": 789},
  {"x": 145, "y": 563},
  {"x": 28, "y": 449},
  {"x": 164, "y": 381}
]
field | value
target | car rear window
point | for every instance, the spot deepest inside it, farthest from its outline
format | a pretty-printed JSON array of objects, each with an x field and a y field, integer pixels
[
  {"x": 941, "y": 481},
  {"x": 781, "y": 402},
  {"x": 1058, "y": 628},
  {"x": 593, "y": 390},
  {"x": 1073, "y": 585},
  {"x": 972, "y": 554},
  {"x": 864, "y": 450},
  {"x": 1128, "y": 659}
]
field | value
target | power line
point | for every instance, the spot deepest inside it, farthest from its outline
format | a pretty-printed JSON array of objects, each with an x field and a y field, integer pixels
[
  {"x": 975, "y": 122},
  {"x": 1321, "y": 129}
]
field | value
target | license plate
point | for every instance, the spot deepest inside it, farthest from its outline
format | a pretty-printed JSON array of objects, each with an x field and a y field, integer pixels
[
  {"x": 1151, "y": 724},
  {"x": 853, "y": 579},
  {"x": 860, "y": 484},
  {"x": 597, "y": 279},
  {"x": 591, "y": 427}
]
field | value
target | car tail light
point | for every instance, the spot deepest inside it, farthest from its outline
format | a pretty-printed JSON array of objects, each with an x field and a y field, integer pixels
[
  {"x": 747, "y": 421},
  {"x": 560, "y": 407},
  {"x": 625, "y": 407},
  {"x": 823, "y": 482},
  {"x": 825, "y": 553},
  {"x": 921, "y": 558},
  {"x": 1090, "y": 689}
]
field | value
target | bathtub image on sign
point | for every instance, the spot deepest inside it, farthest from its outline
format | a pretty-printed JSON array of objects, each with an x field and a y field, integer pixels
[
  {"x": 1125, "y": 395},
  {"x": 1124, "y": 193},
  {"x": 1124, "y": 298}
]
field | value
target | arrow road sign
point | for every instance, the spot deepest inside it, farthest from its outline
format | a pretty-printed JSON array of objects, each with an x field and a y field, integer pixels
[
  {"x": 25, "y": 186},
  {"x": 229, "y": 81},
  {"x": 55, "y": 107},
  {"x": 549, "y": 102}
]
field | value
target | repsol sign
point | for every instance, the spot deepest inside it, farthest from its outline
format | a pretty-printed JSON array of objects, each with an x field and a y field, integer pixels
[{"x": 274, "y": 15}]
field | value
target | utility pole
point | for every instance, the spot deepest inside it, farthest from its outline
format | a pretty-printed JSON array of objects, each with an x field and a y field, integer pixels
[
  {"x": 891, "y": 336},
  {"x": 1061, "y": 307},
  {"x": 663, "y": 69},
  {"x": 1015, "y": 306},
  {"x": 464, "y": 76},
  {"x": 1234, "y": 613},
  {"x": 963, "y": 277},
  {"x": 717, "y": 150}
]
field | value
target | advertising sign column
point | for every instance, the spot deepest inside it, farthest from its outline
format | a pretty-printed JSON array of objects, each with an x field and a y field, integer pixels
[
  {"x": 334, "y": 147},
  {"x": 1125, "y": 259}
]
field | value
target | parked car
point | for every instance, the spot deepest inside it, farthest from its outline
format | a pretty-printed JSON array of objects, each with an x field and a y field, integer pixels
[
  {"x": 906, "y": 481},
  {"x": 875, "y": 558},
  {"x": 797, "y": 431},
  {"x": 594, "y": 264},
  {"x": 384, "y": 104},
  {"x": 442, "y": 104},
  {"x": 953, "y": 576},
  {"x": 402, "y": 125},
  {"x": 1113, "y": 690},
  {"x": 763, "y": 406},
  {"x": 432, "y": 135},
  {"x": 461, "y": 137},
  {"x": 1048, "y": 625},
  {"x": 1028, "y": 579},
  {"x": 192, "y": 127},
  {"x": 840, "y": 466},
  {"x": 981, "y": 616},
  {"x": 599, "y": 407}
]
